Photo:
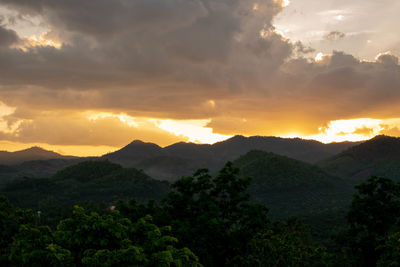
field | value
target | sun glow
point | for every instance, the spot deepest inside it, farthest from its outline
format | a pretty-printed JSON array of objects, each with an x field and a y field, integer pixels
[
  {"x": 353, "y": 130},
  {"x": 319, "y": 56},
  {"x": 282, "y": 3},
  {"x": 39, "y": 40},
  {"x": 130, "y": 121},
  {"x": 286, "y": 3},
  {"x": 195, "y": 130}
]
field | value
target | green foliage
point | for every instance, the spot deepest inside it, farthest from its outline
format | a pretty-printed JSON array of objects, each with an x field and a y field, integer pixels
[
  {"x": 379, "y": 156},
  {"x": 390, "y": 252},
  {"x": 88, "y": 170},
  {"x": 99, "y": 182},
  {"x": 33, "y": 246},
  {"x": 91, "y": 240},
  {"x": 111, "y": 240},
  {"x": 289, "y": 187},
  {"x": 212, "y": 216},
  {"x": 374, "y": 214},
  {"x": 286, "y": 244},
  {"x": 10, "y": 220}
]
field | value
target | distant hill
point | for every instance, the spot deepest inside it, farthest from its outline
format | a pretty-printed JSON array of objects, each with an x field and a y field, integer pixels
[
  {"x": 378, "y": 156},
  {"x": 35, "y": 168},
  {"x": 134, "y": 152},
  {"x": 172, "y": 162},
  {"x": 291, "y": 187},
  {"x": 89, "y": 181},
  {"x": 30, "y": 154}
]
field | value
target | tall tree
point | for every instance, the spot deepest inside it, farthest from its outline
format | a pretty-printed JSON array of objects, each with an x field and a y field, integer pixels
[
  {"x": 212, "y": 215},
  {"x": 374, "y": 213}
]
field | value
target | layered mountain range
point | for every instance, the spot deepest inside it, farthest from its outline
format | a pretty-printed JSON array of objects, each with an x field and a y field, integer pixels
[
  {"x": 291, "y": 176},
  {"x": 174, "y": 161}
]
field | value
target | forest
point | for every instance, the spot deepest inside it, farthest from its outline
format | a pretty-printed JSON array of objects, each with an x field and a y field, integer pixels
[
  {"x": 260, "y": 209},
  {"x": 203, "y": 220}
]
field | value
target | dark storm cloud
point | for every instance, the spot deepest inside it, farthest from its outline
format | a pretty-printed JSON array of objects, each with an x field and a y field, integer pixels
[
  {"x": 168, "y": 58},
  {"x": 7, "y": 37}
]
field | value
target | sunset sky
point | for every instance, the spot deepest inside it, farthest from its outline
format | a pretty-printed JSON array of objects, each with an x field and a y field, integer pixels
[{"x": 88, "y": 77}]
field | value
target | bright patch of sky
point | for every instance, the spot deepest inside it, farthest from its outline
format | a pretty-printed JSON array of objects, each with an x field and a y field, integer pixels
[{"x": 369, "y": 26}]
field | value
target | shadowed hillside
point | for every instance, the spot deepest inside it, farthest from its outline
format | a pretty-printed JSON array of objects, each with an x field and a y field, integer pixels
[
  {"x": 89, "y": 181},
  {"x": 379, "y": 156},
  {"x": 172, "y": 162},
  {"x": 291, "y": 187}
]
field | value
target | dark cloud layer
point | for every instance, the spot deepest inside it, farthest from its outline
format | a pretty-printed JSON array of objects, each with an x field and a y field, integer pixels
[
  {"x": 169, "y": 58},
  {"x": 7, "y": 37}
]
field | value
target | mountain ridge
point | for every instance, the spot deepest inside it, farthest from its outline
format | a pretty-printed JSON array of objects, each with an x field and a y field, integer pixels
[
  {"x": 176, "y": 160},
  {"x": 29, "y": 154},
  {"x": 378, "y": 156},
  {"x": 161, "y": 162}
]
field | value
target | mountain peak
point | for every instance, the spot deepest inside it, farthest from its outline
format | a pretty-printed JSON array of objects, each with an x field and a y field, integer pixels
[
  {"x": 35, "y": 149},
  {"x": 29, "y": 154},
  {"x": 137, "y": 142}
]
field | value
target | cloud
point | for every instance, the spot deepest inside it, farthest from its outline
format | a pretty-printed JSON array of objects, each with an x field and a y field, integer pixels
[
  {"x": 169, "y": 59},
  {"x": 7, "y": 37},
  {"x": 301, "y": 49},
  {"x": 387, "y": 59},
  {"x": 77, "y": 128},
  {"x": 365, "y": 131},
  {"x": 334, "y": 35}
]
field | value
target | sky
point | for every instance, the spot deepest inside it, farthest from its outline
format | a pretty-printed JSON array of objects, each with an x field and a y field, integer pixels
[{"x": 88, "y": 77}]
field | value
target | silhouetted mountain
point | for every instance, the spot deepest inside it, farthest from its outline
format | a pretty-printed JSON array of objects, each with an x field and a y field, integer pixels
[
  {"x": 305, "y": 150},
  {"x": 171, "y": 162},
  {"x": 33, "y": 153},
  {"x": 181, "y": 159},
  {"x": 133, "y": 153},
  {"x": 378, "y": 156},
  {"x": 291, "y": 187}
]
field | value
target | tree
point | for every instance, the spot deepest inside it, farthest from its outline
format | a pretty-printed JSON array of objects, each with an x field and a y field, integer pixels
[
  {"x": 112, "y": 240},
  {"x": 34, "y": 246},
  {"x": 285, "y": 244},
  {"x": 374, "y": 213},
  {"x": 390, "y": 256},
  {"x": 213, "y": 216},
  {"x": 10, "y": 220}
]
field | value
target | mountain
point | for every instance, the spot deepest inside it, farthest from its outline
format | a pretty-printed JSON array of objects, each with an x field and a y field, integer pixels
[
  {"x": 35, "y": 168},
  {"x": 305, "y": 150},
  {"x": 89, "y": 181},
  {"x": 30, "y": 154},
  {"x": 174, "y": 161},
  {"x": 379, "y": 156},
  {"x": 171, "y": 162},
  {"x": 134, "y": 152},
  {"x": 291, "y": 187}
]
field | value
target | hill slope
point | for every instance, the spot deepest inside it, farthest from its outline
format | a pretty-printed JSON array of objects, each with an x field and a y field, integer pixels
[
  {"x": 94, "y": 181},
  {"x": 291, "y": 187},
  {"x": 378, "y": 156}
]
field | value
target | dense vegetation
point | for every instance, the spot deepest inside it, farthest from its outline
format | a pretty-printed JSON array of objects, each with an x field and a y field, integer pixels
[
  {"x": 290, "y": 187},
  {"x": 379, "y": 156},
  {"x": 90, "y": 183},
  {"x": 99, "y": 213},
  {"x": 212, "y": 218}
]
